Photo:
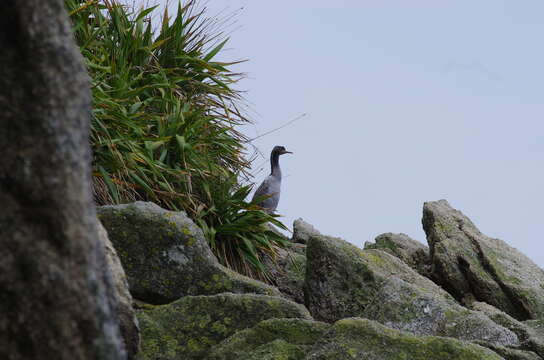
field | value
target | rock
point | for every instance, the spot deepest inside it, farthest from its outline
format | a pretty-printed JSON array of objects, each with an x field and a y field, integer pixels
[
  {"x": 190, "y": 326},
  {"x": 128, "y": 323},
  {"x": 341, "y": 279},
  {"x": 537, "y": 326},
  {"x": 529, "y": 337},
  {"x": 466, "y": 262},
  {"x": 54, "y": 293},
  {"x": 165, "y": 256},
  {"x": 302, "y": 231},
  {"x": 509, "y": 353},
  {"x": 271, "y": 339},
  {"x": 403, "y": 306},
  {"x": 412, "y": 252},
  {"x": 357, "y": 338},
  {"x": 287, "y": 271}
]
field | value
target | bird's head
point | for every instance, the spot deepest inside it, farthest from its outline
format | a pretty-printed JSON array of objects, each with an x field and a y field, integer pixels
[{"x": 280, "y": 150}]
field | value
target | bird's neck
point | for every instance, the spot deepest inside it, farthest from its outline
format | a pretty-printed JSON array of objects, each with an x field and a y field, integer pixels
[{"x": 275, "y": 165}]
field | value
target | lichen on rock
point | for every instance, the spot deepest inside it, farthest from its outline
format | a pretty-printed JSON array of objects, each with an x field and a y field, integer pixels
[
  {"x": 282, "y": 338},
  {"x": 468, "y": 263},
  {"x": 166, "y": 256},
  {"x": 190, "y": 326},
  {"x": 529, "y": 336},
  {"x": 403, "y": 306},
  {"x": 357, "y": 338},
  {"x": 287, "y": 271},
  {"x": 341, "y": 279},
  {"x": 412, "y": 252}
]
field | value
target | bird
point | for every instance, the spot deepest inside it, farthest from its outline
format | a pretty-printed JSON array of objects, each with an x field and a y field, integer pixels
[{"x": 271, "y": 186}]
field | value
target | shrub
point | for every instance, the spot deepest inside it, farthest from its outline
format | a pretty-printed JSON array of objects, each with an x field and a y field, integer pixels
[{"x": 164, "y": 122}]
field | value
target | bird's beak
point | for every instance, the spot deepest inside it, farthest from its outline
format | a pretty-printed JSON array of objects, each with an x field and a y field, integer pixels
[{"x": 286, "y": 152}]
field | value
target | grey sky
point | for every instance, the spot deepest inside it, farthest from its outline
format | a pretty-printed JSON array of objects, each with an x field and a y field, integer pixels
[{"x": 407, "y": 101}]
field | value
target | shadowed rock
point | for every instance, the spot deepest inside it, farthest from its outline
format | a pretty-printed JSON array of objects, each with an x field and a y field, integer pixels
[
  {"x": 120, "y": 295},
  {"x": 165, "y": 256},
  {"x": 54, "y": 280},
  {"x": 287, "y": 271},
  {"x": 468, "y": 263}
]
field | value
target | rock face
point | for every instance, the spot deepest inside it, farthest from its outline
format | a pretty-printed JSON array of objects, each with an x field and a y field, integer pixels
[
  {"x": 341, "y": 279},
  {"x": 530, "y": 338},
  {"x": 510, "y": 353},
  {"x": 412, "y": 252},
  {"x": 302, "y": 231},
  {"x": 165, "y": 256},
  {"x": 54, "y": 296},
  {"x": 358, "y": 338},
  {"x": 271, "y": 339},
  {"x": 344, "y": 281},
  {"x": 403, "y": 306},
  {"x": 189, "y": 327},
  {"x": 287, "y": 271},
  {"x": 120, "y": 296},
  {"x": 468, "y": 263}
]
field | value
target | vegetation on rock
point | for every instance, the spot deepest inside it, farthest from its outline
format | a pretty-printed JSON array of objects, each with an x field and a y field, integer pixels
[
  {"x": 165, "y": 119},
  {"x": 189, "y": 327}
]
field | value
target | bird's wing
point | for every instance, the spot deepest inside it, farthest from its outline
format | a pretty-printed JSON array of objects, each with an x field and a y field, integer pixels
[{"x": 263, "y": 189}]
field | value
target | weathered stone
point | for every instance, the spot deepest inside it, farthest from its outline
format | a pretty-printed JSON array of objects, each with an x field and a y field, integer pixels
[
  {"x": 282, "y": 339},
  {"x": 54, "y": 291},
  {"x": 412, "y": 252},
  {"x": 189, "y": 327},
  {"x": 287, "y": 271},
  {"x": 302, "y": 231},
  {"x": 403, "y": 306},
  {"x": 509, "y": 353},
  {"x": 357, "y": 338},
  {"x": 341, "y": 279},
  {"x": 529, "y": 337},
  {"x": 537, "y": 326},
  {"x": 466, "y": 262},
  {"x": 120, "y": 296},
  {"x": 165, "y": 256}
]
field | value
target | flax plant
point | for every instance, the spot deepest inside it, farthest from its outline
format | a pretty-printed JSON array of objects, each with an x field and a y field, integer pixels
[{"x": 164, "y": 123}]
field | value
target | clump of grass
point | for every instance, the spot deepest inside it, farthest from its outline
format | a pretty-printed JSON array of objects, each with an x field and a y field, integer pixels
[{"x": 164, "y": 122}]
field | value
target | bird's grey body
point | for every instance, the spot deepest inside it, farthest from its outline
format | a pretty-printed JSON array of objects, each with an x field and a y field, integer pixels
[{"x": 272, "y": 184}]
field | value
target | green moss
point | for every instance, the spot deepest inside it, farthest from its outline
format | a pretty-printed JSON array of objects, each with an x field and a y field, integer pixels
[
  {"x": 283, "y": 336},
  {"x": 166, "y": 257},
  {"x": 198, "y": 322},
  {"x": 360, "y": 338}
]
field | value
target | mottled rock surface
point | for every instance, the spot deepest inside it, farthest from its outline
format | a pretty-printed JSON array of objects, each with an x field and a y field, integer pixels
[
  {"x": 271, "y": 339},
  {"x": 287, "y": 271},
  {"x": 509, "y": 353},
  {"x": 165, "y": 256},
  {"x": 120, "y": 294},
  {"x": 54, "y": 288},
  {"x": 529, "y": 337},
  {"x": 412, "y": 252},
  {"x": 403, "y": 306},
  {"x": 468, "y": 263},
  {"x": 189, "y": 327},
  {"x": 302, "y": 231},
  {"x": 357, "y": 338},
  {"x": 341, "y": 279}
]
